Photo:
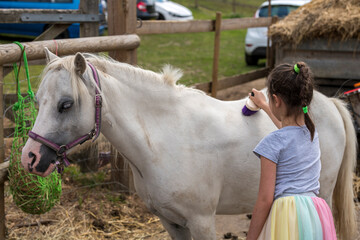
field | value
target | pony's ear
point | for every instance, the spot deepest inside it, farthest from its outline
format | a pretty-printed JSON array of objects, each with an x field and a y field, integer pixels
[
  {"x": 80, "y": 64},
  {"x": 49, "y": 55}
]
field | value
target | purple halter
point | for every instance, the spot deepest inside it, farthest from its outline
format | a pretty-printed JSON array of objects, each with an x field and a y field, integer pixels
[{"x": 61, "y": 150}]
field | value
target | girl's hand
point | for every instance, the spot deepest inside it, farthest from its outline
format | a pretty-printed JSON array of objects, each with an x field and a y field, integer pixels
[{"x": 258, "y": 98}]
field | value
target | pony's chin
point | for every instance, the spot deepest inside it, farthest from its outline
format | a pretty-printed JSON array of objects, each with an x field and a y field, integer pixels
[{"x": 50, "y": 169}]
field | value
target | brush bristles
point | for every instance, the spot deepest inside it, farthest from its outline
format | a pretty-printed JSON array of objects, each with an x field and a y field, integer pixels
[{"x": 248, "y": 112}]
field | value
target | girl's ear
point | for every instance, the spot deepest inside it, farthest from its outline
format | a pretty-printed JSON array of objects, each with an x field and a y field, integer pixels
[{"x": 277, "y": 100}]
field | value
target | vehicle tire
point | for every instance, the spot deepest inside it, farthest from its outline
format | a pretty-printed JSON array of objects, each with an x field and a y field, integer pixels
[
  {"x": 251, "y": 60},
  {"x": 161, "y": 17}
]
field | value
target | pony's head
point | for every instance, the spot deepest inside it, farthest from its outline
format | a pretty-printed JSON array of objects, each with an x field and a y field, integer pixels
[{"x": 66, "y": 110}]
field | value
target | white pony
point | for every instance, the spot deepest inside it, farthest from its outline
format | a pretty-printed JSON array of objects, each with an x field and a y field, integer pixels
[{"x": 191, "y": 154}]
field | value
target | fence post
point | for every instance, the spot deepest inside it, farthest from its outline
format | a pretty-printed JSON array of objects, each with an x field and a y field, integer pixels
[
  {"x": 122, "y": 20},
  {"x": 268, "y": 51},
  {"x": 121, "y": 173},
  {"x": 234, "y": 6},
  {"x": 89, "y": 29},
  {"x": 2, "y": 156},
  {"x": 216, "y": 55},
  {"x": 271, "y": 58}
]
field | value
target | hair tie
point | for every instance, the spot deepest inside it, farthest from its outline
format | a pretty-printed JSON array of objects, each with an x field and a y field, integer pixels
[
  {"x": 305, "y": 109},
  {"x": 296, "y": 68}
]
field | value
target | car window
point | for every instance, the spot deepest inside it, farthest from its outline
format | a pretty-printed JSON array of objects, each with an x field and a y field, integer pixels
[
  {"x": 162, "y": 0},
  {"x": 150, "y": 2},
  {"x": 280, "y": 10}
]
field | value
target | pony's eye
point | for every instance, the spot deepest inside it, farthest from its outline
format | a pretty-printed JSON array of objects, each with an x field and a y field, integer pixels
[{"x": 65, "y": 106}]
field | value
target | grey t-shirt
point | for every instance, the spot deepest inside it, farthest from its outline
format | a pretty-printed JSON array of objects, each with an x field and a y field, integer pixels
[{"x": 297, "y": 158}]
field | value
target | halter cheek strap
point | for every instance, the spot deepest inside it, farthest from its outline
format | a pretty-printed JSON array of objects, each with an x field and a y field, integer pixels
[
  {"x": 62, "y": 159},
  {"x": 98, "y": 102}
]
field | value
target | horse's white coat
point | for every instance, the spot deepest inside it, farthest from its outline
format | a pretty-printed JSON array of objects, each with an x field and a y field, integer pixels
[{"x": 191, "y": 155}]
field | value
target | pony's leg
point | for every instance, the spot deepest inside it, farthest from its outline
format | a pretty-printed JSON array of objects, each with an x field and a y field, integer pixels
[
  {"x": 202, "y": 228},
  {"x": 176, "y": 231}
]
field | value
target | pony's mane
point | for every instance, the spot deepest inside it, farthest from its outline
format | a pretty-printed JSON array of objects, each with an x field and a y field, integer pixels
[{"x": 168, "y": 76}]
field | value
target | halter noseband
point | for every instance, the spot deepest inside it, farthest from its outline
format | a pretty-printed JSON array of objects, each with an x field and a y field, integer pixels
[{"x": 61, "y": 150}]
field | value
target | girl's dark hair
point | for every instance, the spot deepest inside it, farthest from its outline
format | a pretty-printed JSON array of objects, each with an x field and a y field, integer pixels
[{"x": 295, "y": 89}]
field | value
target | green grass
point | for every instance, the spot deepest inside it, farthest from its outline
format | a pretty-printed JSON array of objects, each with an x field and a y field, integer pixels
[
  {"x": 192, "y": 52},
  {"x": 208, "y": 8}
]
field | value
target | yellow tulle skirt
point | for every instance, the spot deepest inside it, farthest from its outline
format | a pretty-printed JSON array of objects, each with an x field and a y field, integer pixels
[{"x": 299, "y": 218}]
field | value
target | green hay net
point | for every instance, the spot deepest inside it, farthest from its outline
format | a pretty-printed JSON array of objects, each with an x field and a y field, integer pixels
[{"x": 33, "y": 194}]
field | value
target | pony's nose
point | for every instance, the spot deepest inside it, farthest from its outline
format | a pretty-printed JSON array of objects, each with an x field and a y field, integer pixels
[{"x": 32, "y": 156}]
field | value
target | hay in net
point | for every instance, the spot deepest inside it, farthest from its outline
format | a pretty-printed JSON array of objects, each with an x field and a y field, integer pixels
[
  {"x": 329, "y": 19},
  {"x": 33, "y": 194}
]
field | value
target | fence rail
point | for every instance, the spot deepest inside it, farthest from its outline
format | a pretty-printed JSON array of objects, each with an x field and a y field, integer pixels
[
  {"x": 14, "y": 15},
  {"x": 10, "y": 53},
  {"x": 197, "y": 26},
  {"x": 234, "y": 80}
]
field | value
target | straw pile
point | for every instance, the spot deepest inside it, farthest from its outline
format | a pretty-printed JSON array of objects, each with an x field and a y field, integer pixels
[
  {"x": 329, "y": 19},
  {"x": 88, "y": 209},
  {"x": 86, "y": 212}
]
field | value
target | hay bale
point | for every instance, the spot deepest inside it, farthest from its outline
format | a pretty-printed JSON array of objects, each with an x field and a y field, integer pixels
[{"x": 330, "y": 19}]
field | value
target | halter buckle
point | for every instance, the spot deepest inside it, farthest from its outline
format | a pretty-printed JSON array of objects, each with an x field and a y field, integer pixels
[
  {"x": 98, "y": 100},
  {"x": 62, "y": 149}
]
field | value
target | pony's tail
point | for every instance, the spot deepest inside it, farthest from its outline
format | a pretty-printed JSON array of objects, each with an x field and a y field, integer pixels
[{"x": 343, "y": 196}]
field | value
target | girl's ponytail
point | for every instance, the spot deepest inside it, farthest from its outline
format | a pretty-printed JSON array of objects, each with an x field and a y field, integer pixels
[
  {"x": 310, "y": 125},
  {"x": 306, "y": 92}
]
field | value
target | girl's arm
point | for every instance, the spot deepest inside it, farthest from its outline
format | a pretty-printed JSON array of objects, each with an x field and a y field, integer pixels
[
  {"x": 260, "y": 100},
  {"x": 265, "y": 198}
]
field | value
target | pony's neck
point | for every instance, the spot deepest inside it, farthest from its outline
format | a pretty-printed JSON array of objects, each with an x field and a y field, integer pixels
[
  {"x": 136, "y": 89},
  {"x": 134, "y": 99}
]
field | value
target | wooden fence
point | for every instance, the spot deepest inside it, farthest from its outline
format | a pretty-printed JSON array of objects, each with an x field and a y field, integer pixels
[
  {"x": 10, "y": 53},
  {"x": 218, "y": 25},
  {"x": 197, "y": 26},
  {"x": 58, "y": 20}
]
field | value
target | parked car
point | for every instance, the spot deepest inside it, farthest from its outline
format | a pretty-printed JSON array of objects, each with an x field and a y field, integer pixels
[
  {"x": 169, "y": 10},
  {"x": 256, "y": 38},
  {"x": 145, "y": 9},
  {"x": 35, "y": 29}
]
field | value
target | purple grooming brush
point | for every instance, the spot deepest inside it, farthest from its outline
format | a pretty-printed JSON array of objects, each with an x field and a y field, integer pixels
[{"x": 250, "y": 107}]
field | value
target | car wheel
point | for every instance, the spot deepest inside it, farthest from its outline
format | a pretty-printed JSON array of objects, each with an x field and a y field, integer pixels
[
  {"x": 251, "y": 60},
  {"x": 161, "y": 17}
]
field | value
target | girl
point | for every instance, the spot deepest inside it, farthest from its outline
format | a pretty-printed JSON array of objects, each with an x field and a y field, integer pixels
[{"x": 287, "y": 206}]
